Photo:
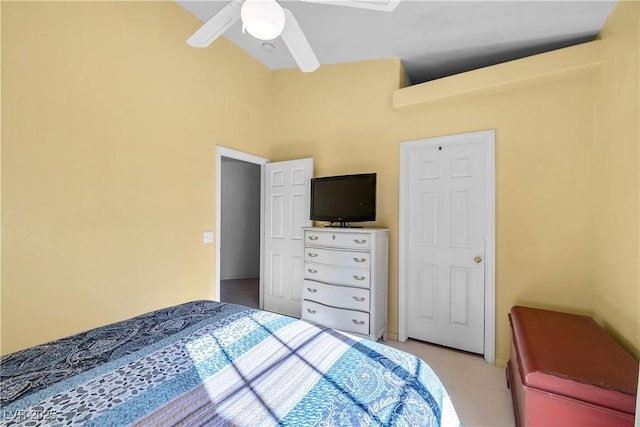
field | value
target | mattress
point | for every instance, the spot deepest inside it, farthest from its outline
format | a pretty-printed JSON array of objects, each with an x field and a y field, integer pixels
[{"x": 211, "y": 363}]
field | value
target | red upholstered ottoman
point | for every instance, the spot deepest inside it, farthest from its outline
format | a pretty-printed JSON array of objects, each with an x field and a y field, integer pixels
[{"x": 565, "y": 370}]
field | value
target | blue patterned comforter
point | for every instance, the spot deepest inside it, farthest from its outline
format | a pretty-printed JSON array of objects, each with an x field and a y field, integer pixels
[{"x": 210, "y": 363}]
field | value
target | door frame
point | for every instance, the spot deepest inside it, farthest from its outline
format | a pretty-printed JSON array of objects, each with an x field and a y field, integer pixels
[
  {"x": 486, "y": 137},
  {"x": 249, "y": 158}
]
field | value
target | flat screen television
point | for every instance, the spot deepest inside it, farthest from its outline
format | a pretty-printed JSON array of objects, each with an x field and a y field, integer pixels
[{"x": 344, "y": 199}]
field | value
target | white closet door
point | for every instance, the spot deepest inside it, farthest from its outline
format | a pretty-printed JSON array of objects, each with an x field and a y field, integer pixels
[
  {"x": 287, "y": 200},
  {"x": 446, "y": 242}
]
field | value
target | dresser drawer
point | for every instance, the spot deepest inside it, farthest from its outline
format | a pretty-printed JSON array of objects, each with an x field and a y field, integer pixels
[
  {"x": 359, "y": 277},
  {"x": 336, "y": 318},
  {"x": 337, "y": 240},
  {"x": 336, "y": 296},
  {"x": 338, "y": 258}
]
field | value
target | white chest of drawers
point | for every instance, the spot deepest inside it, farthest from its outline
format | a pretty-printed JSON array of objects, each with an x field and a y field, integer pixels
[{"x": 345, "y": 279}]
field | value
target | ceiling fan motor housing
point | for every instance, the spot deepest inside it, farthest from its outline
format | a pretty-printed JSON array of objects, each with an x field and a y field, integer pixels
[{"x": 263, "y": 19}]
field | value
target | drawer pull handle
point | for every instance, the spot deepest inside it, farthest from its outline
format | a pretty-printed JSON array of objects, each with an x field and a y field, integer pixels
[
  {"x": 359, "y": 299},
  {"x": 359, "y": 259},
  {"x": 360, "y": 241},
  {"x": 312, "y": 271},
  {"x": 313, "y": 291},
  {"x": 311, "y": 311},
  {"x": 312, "y": 255},
  {"x": 313, "y": 237},
  {"x": 359, "y": 277},
  {"x": 358, "y": 322}
]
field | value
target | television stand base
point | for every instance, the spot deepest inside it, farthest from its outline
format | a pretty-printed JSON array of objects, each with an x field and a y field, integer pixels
[{"x": 343, "y": 225}]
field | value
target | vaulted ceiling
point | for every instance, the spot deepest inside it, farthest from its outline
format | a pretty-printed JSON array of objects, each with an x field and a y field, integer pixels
[{"x": 432, "y": 38}]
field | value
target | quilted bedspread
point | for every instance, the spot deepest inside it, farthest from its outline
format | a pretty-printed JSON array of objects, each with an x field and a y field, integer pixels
[{"x": 210, "y": 363}]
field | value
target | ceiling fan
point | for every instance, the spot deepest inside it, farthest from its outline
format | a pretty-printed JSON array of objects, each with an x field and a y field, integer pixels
[{"x": 266, "y": 20}]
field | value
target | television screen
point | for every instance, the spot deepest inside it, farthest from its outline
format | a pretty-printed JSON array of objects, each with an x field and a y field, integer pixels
[{"x": 343, "y": 199}]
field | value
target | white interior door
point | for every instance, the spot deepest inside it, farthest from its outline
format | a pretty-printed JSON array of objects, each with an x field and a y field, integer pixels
[
  {"x": 287, "y": 187},
  {"x": 445, "y": 241}
]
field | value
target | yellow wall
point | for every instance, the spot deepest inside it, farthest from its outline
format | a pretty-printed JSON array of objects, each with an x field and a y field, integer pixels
[
  {"x": 110, "y": 122},
  {"x": 342, "y": 117},
  {"x": 560, "y": 244},
  {"x": 615, "y": 178}
]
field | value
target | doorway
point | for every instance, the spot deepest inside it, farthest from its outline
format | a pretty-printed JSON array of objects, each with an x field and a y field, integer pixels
[
  {"x": 240, "y": 233},
  {"x": 239, "y": 204},
  {"x": 283, "y": 211},
  {"x": 447, "y": 242}
]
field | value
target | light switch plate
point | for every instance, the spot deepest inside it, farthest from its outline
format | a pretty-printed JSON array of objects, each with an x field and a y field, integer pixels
[{"x": 207, "y": 237}]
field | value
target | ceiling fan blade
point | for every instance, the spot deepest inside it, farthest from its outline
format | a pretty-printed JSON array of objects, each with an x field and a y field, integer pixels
[
  {"x": 381, "y": 5},
  {"x": 214, "y": 27},
  {"x": 298, "y": 45}
]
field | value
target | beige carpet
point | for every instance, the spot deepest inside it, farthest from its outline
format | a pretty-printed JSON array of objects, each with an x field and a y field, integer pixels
[{"x": 479, "y": 391}]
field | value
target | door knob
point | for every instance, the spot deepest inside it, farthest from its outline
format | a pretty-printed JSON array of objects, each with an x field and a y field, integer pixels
[{"x": 477, "y": 259}]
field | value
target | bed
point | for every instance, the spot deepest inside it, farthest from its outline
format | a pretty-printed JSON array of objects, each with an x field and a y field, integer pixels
[{"x": 212, "y": 363}]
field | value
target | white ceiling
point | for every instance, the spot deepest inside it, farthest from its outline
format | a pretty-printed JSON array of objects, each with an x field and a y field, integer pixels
[{"x": 432, "y": 38}]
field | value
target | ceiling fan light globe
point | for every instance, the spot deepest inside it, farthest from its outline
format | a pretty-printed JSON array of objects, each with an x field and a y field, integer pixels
[{"x": 263, "y": 19}]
